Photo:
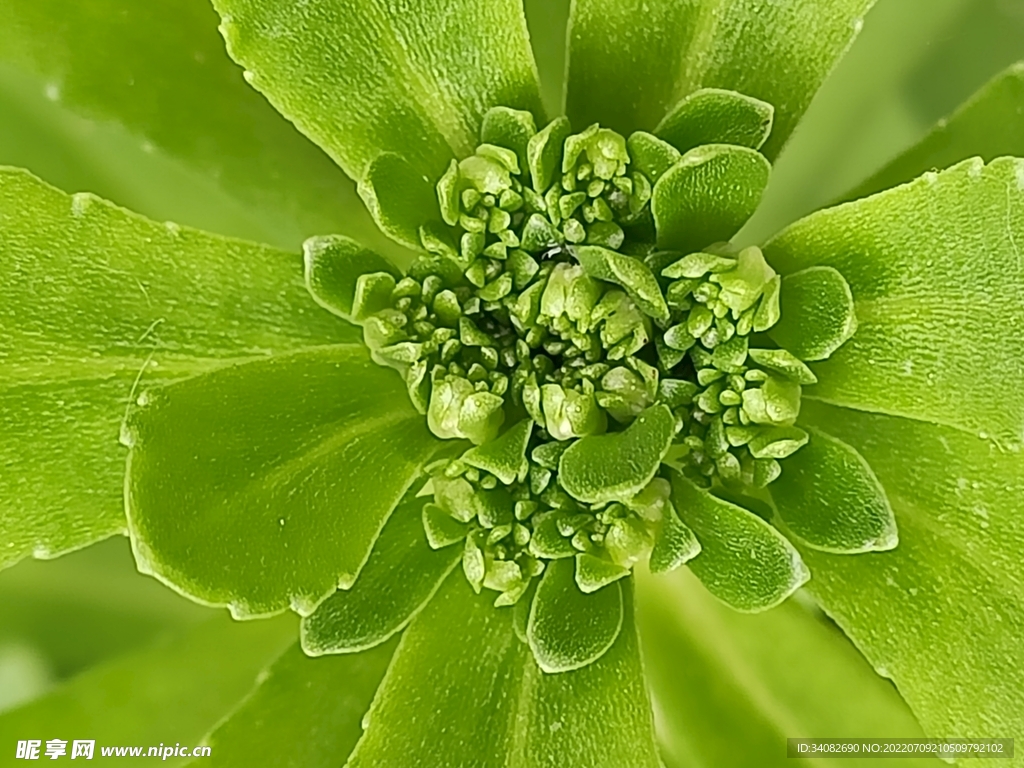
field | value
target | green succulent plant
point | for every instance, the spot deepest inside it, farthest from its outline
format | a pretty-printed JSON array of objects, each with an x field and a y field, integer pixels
[{"x": 472, "y": 448}]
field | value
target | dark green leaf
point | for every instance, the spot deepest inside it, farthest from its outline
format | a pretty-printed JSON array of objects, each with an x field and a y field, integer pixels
[
  {"x": 630, "y": 61},
  {"x": 401, "y": 575},
  {"x": 743, "y": 561},
  {"x": 305, "y": 712},
  {"x": 98, "y": 302},
  {"x": 675, "y": 544},
  {"x": 333, "y": 264},
  {"x": 265, "y": 485},
  {"x": 362, "y": 78},
  {"x": 943, "y": 613},
  {"x": 829, "y": 497},
  {"x": 491, "y": 707},
  {"x": 616, "y": 466},
  {"x": 730, "y": 688},
  {"x": 399, "y": 199},
  {"x": 569, "y": 629},
  {"x": 818, "y": 314},
  {"x": 652, "y": 156},
  {"x": 937, "y": 274},
  {"x": 715, "y": 116},
  {"x": 505, "y": 456},
  {"x": 708, "y": 195}
]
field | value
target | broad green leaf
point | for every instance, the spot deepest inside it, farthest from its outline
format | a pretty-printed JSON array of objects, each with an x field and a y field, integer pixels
[
  {"x": 743, "y": 561},
  {"x": 830, "y": 498},
  {"x": 730, "y": 688},
  {"x": 401, "y": 575},
  {"x": 160, "y": 71},
  {"x": 491, "y": 707},
  {"x": 715, "y": 116},
  {"x": 306, "y": 712},
  {"x": 943, "y": 613},
  {"x": 98, "y": 302},
  {"x": 191, "y": 680},
  {"x": 938, "y": 279},
  {"x": 616, "y": 466},
  {"x": 264, "y": 485},
  {"x": 333, "y": 264},
  {"x": 547, "y": 20},
  {"x": 631, "y": 61},
  {"x": 708, "y": 195},
  {"x": 372, "y": 76},
  {"x": 990, "y": 125},
  {"x": 569, "y": 629},
  {"x": 818, "y": 313}
]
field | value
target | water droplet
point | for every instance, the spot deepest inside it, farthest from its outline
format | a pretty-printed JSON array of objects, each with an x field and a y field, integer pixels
[
  {"x": 555, "y": 726},
  {"x": 858, "y": 25},
  {"x": 250, "y": 77},
  {"x": 930, "y": 177},
  {"x": 52, "y": 91}
]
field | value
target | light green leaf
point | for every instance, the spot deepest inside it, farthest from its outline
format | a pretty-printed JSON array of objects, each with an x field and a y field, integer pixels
[
  {"x": 953, "y": 589},
  {"x": 264, "y": 485},
  {"x": 937, "y": 272},
  {"x": 743, "y": 561},
  {"x": 715, "y": 116},
  {"x": 160, "y": 71},
  {"x": 989, "y": 125},
  {"x": 675, "y": 545},
  {"x": 651, "y": 53},
  {"x": 651, "y": 156},
  {"x": 98, "y": 302},
  {"x": 333, "y": 265},
  {"x": 818, "y": 313},
  {"x": 401, "y": 575},
  {"x": 569, "y": 629},
  {"x": 192, "y": 680},
  {"x": 830, "y": 498},
  {"x": 616, "y": 466},
  {"x": 305, "y": 712},
  {"x": 630, "y": 273},
  {"x": 708, "y": 195},
  {"x": 730, "y": 688},
  {"x": 362, "y": 78},
  {"x": 505, "y": 456},
  {"x": 399, "y": 199},
  {"x": 491, "y": 707}
]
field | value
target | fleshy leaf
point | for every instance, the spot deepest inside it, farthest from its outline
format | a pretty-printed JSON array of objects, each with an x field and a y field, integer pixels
[
  {"x": 264, "y": 485},
  {"x": 305, "y": 711},
  {"x": 675, "y": 544},
  {"x": 989, "y": 125},
  {"x": 651, "y": 155},
  {"x": 829, "y": 497},
  {"x": 618, "y": 465},
  {"x": 594, "y": 573},
  {"x": 98, "y": 302},
  {"x": 567, "y": 628},
  {"x": 936, "y": 270},
  {"x": 730, "y": 688},
  {"x": 333, "y": 265},
  {"x": 652, "y": 53},
  {"x": 953, "y": 588},
  {"x": 708, "y": 195},
  {"x": 505, "y": 456},
  {"x": 173, "y": 88},
  {"x": 193, "y": 680},
  {"x": 364, "y": 78},
  {"x": 490, "y": 706},
  {"x": 630, "y": 273},
  {"x": 400, "y": 576},
  {"x": 399, "y": 199},
  {"x": 510, "y": 128},
  {"x": 818, "y": 314},
  {"x": 716, "y": 116},
  {"x": 743, "y": 561}
]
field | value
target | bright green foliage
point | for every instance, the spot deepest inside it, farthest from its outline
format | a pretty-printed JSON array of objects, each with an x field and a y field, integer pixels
[
  {"x": 818, "y": 314},
  {"x": 830, "y": 498},
  {"x": 191, "y": 680},
  {"x": 304, "y": 712},
  {"x": 990, "y": 125},
  {"x": 264, "y": 485},
  {"x": 766, "y": 677},
  {"x": 401, "y": 575},
  {"x": 928, "y": 297},
  {"x": 333, "y": 265},
  {"x": 743, "y": 561},
  {"x": 414, "y": 83},
  {"x": 943, "y": 613},
  {"x": 631, "y": 61},
  {"x": 86, "y": 321},
  {"x": 712, "y": 115},
  {"x": 160, "y": 70},
  {"x": 489, "y": 704}
]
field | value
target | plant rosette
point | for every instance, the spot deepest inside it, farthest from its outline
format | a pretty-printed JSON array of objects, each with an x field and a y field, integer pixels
[{"x": 575, "y": 373}]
